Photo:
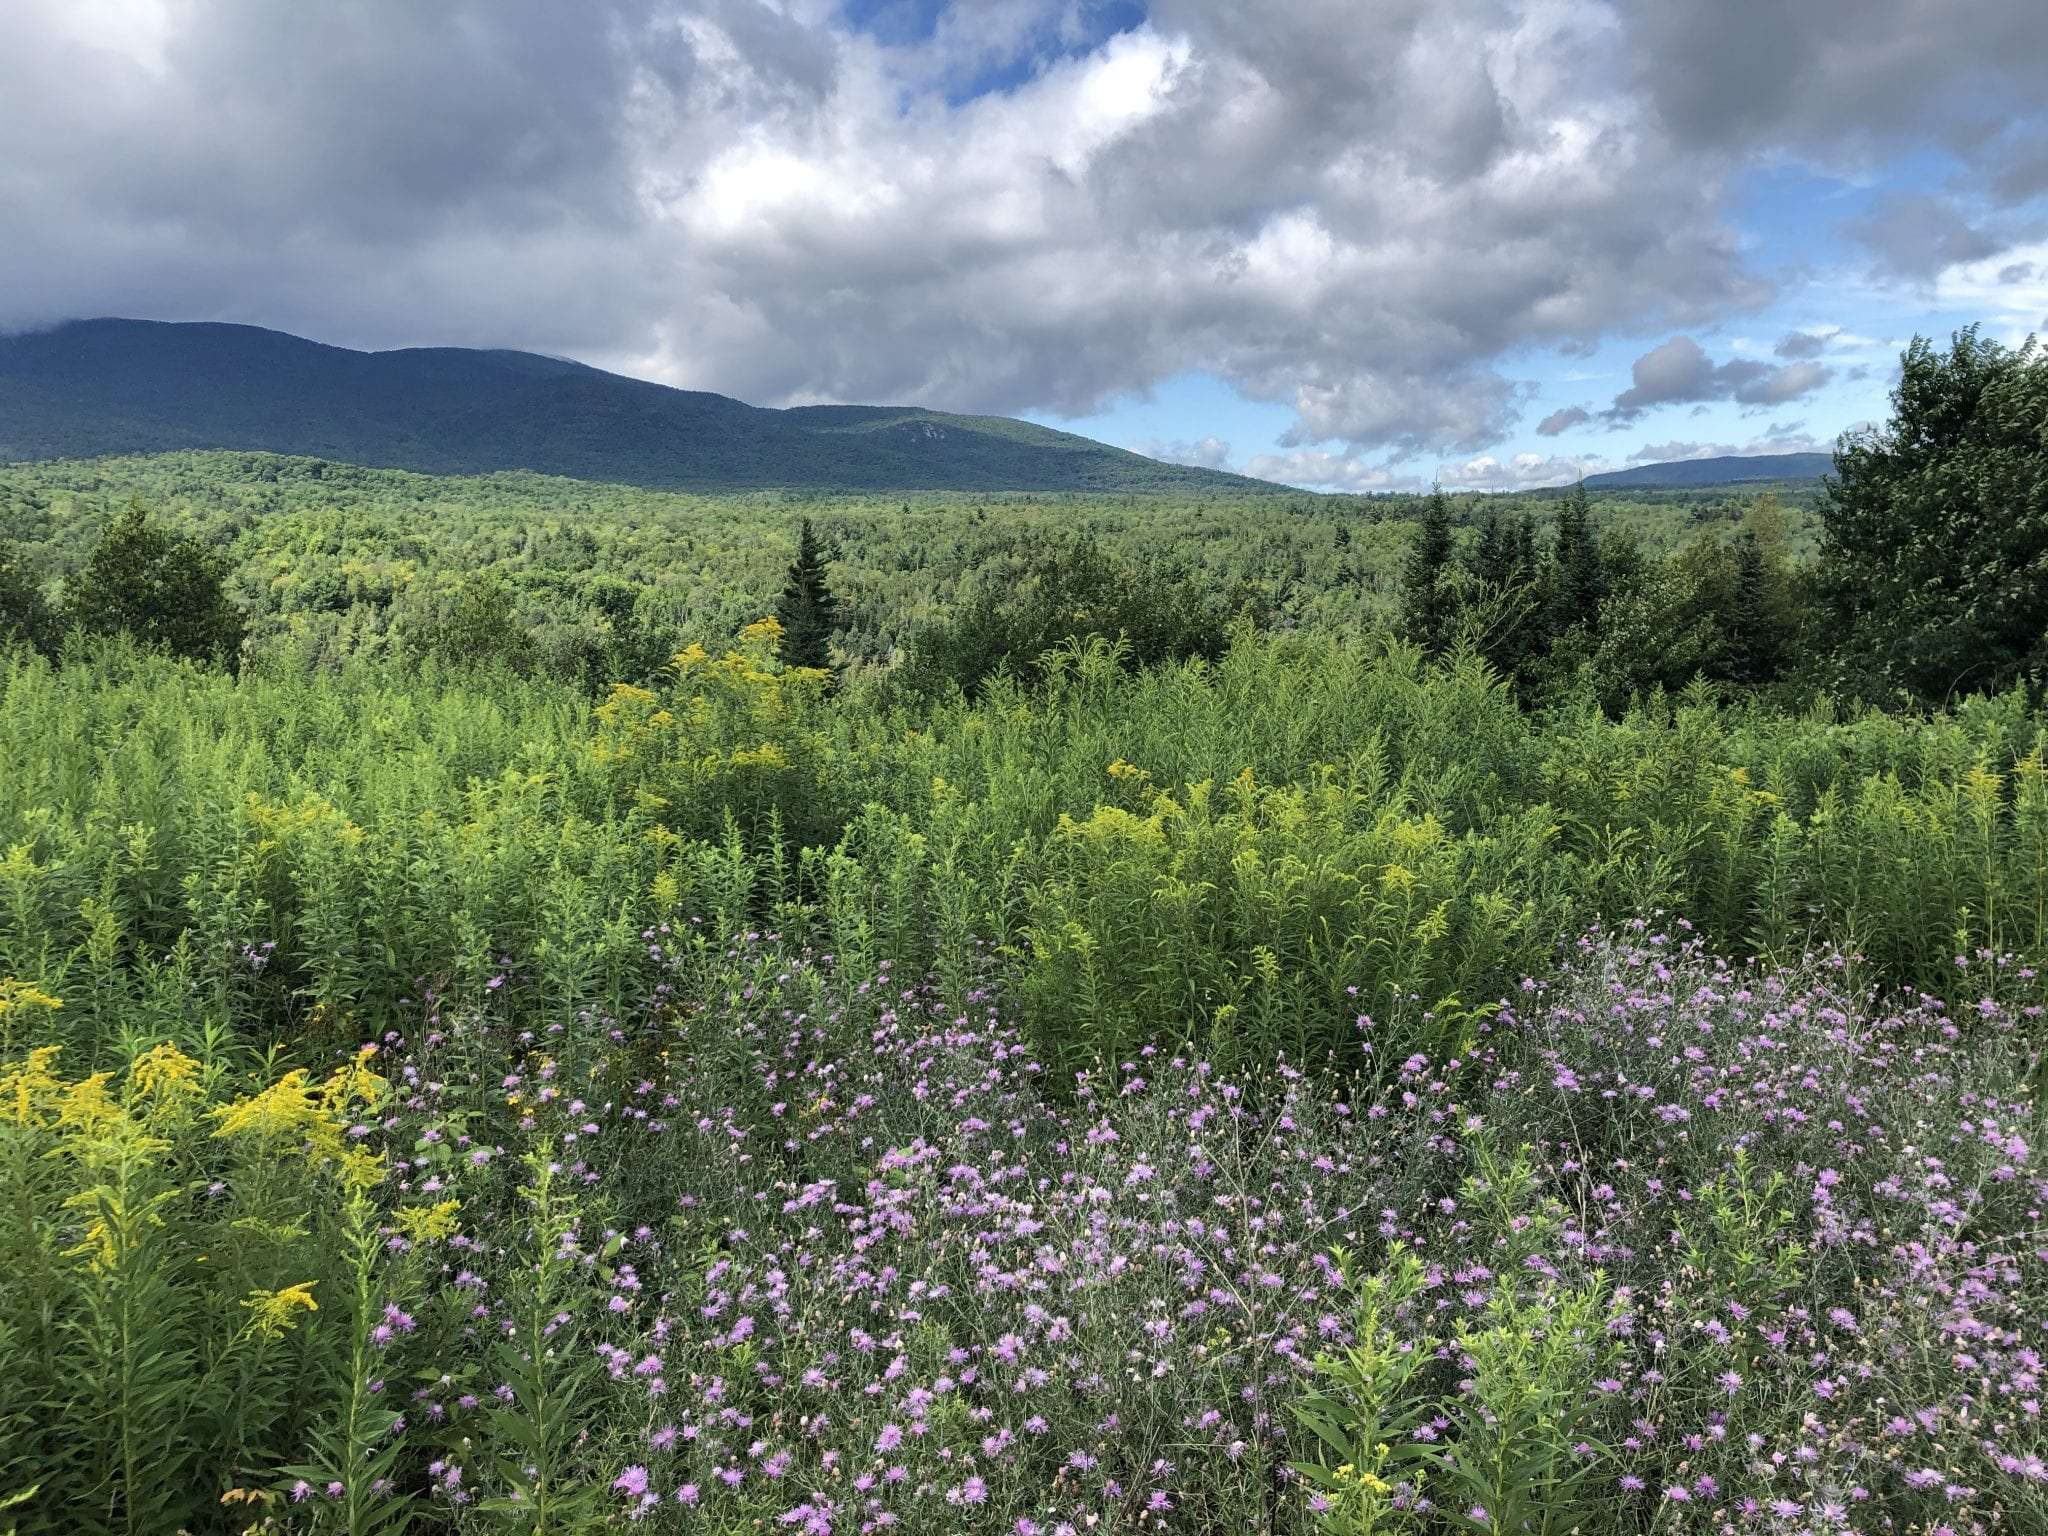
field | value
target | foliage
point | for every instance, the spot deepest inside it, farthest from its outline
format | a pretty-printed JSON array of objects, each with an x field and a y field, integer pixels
[
  {"x": 775, "y": 1241},
  {"x": 808, "y": 612},
  {"x": 1067, "y": 595},
  {"x": 1934, "y": 556},
  {"x": 26, "y": 616},
  {"x": 162, "y": 588}
]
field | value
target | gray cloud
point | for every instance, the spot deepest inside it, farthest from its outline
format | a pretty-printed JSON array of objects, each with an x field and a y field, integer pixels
[
  {"x": 1838, "y": 77},
  {"x": 1776, "y": 440},
  {"x": 1915, "y": 237},
  {"x": 1800, "y": 344},
  {"x": 1355, "y": 212},
  {"x": 1563, "y": 420},
  {"x": 2022, "y": 172},
  {"x": 1679, "y": 372}
]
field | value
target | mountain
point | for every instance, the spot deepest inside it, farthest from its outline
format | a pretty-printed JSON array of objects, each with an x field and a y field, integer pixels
[
  {"x": 90, "y": 388},
  {"x": 1733, "y": 469}
]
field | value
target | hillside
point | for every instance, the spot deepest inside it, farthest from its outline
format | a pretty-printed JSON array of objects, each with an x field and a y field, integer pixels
[
  {"x": 97, "y": 387},
  {"x": 1731, "y": 469}
]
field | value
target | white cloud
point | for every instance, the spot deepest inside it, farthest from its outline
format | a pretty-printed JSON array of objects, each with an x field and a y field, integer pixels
[
  {"x": 1205, "y": 453},
  {"x": 1355, "y": 210},
  {"x": 1519, "y": 471}
]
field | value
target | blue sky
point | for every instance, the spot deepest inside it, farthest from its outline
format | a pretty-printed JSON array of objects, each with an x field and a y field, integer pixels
[
  {"x": 1794, "y": 223},
  {"x": 1350, "y": 244}
]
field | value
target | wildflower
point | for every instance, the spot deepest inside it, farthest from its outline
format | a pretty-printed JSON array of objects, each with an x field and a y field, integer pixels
[
  {"x": 428, "y": 1223},
  {"x": 632, "y": 1482},
  {"x": 273, "y": 1310}
]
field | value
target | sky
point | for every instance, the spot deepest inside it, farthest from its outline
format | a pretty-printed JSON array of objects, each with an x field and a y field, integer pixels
[{"x": 1346, "y": 244}]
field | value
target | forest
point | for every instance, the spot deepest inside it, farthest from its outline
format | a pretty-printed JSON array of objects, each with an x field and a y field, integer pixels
[{"x": 529, "y": 1005}]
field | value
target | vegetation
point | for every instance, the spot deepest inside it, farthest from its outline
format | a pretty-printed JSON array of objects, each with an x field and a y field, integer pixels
[
  {"x": 1142, "y": 1046},
  {"x": 95, "y": 387},
  {"x": 1935, "y": 534},
  {"x": 163, "y": 589},
  {"x": 808, "y": 612}
]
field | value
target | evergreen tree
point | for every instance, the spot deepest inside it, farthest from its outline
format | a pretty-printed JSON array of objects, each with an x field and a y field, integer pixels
[
  {"x": 1428, "y": 599},
  {"x": 1755, "y": 642},
  {"x": 1578, "y": 582},
  {"x": 807, "y": 611},
  {"x": 1506, "y": 571},
  {"x": 25, "y": 616},
  {"x": 162, "y": 588},
  {"x": 1934, "y": 530}
]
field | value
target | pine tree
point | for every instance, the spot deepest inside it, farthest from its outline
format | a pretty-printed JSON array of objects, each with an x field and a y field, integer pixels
[
  {"x": 1428, "y": 603},
  {"x": 1508, "y": 574},
  {"x": 808, "y": 610}
]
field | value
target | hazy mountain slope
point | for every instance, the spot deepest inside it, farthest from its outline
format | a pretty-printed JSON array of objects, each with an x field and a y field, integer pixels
[
  {"x": 97, "y": 387},
  {"x": 1727, "y": 470}
]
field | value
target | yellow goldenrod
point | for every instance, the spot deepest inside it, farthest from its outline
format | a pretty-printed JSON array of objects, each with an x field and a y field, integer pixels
[
  {"x": 428, "y": 1223},
  {"x": 273, "y": 1310}
]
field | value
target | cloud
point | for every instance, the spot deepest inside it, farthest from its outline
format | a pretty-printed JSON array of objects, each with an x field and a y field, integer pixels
[
  {"x": 1788, "y": 439},
  {"x": 2022, "y": 173},
  {"x": 1800, "y": 345},
  {"x": 1356, "y": 212},
  {"x": 1563, "y": 420},
  {"x": 1916, "y": 236},
  {"x": 1324, "y": 471},
  {"x": 1679, "y": 372},
  {"x": 1520, "y": 471},
  {"x": 1840, "y": 78},
  {"x": 1207, "y": 453}
]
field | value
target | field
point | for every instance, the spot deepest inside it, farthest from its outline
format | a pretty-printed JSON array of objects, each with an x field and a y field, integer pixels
[
  {"x": 1108, "y": 1014},
  {"x": 450, "y": 1097}
]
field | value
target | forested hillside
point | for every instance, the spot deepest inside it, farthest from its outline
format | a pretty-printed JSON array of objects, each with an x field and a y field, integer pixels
[{"x": 96, "y": 387}]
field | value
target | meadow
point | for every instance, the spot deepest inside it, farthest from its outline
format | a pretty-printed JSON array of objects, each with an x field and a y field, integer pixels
[
  {"x": 442, "y": 1099},
  {"x": 1196, "y": 1020}
]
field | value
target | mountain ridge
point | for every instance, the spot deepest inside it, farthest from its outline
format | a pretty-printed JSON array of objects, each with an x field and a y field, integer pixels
[
  {"x": 110, "y": 386},
  {"x": 1723, "y": 469}
]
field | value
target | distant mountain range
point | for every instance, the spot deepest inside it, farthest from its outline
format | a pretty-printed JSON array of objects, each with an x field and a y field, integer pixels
[
  {"x": 95, "y": 387},
  {"x": 1730, "y": 469}
]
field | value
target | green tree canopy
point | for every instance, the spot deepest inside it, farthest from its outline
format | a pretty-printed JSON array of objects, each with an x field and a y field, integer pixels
[
  {"x": 25, "y": 615},
  {"x": 1934, "y": 532},
  {"x": 164, "y": 589}
]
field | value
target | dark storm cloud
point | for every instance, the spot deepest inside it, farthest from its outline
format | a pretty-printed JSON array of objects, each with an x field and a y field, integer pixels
[
  {"x": 2022, "y": 172},
  {"x": 1352, "y": 210}
]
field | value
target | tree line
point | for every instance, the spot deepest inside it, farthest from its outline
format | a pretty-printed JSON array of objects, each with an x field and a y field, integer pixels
[{"x": 1931, "y": 580}]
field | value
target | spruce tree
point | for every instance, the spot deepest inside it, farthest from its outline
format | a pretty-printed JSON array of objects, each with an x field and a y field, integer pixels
[
  {"x": 1428, "y": 603},
  {"x": 807, "y": 611},
  {"x": 1504, "y": 564},
  {"x": 1578, "y": 584},
  {"x": 1748, "y": 644}
]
